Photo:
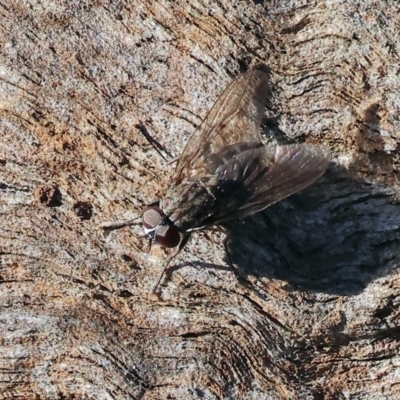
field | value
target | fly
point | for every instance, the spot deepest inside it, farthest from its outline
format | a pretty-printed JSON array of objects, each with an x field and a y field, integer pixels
[{"x": 226, "y": 173}]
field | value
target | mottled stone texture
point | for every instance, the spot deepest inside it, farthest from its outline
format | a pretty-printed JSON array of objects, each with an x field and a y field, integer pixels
[{"x": 95, "y": 98}]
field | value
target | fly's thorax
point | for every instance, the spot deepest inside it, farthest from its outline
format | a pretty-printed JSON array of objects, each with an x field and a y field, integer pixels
[
  {"x": 189, "y": 204},
  {"x": 159, "y": 228}
]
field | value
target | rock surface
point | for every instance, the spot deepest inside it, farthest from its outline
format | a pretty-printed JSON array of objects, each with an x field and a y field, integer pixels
[{"x": 96, "y": 98}]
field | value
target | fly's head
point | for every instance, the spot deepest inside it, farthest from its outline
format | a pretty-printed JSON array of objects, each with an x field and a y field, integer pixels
[{"x": 159, "y": 228}]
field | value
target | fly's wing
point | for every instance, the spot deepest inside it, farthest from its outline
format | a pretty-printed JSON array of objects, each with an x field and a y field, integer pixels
[
  {"x": 225, "y": 172},
  {"x": 263, "y": 176},
  {"x": 235, "y": 117}
]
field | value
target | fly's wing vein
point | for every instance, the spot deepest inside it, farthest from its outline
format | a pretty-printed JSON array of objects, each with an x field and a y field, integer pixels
[
  {"x": 235, "y": 117},
  {"x": 226, "y": 173},
  {"x": 280, "y": 172}
]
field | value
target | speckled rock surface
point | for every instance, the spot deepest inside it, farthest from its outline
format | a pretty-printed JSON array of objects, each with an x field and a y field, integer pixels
[{"x": 95, "y": 98}]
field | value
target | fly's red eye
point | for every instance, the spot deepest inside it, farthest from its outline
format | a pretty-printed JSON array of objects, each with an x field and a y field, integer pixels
[
  {"x": 152, "y": 217},
  {"x": 167, "y": 236},
  {"x": 164, "y": 234}
]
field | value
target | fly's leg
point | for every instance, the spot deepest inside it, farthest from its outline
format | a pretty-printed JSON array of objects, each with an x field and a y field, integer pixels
[
  {"x": 182, "y": 244},
  {"x": 225, "y": 242},
  {"x": 176, "y": 159},
  {"x": 206, "y": 189},
  {"x": 120, "y": 225}
]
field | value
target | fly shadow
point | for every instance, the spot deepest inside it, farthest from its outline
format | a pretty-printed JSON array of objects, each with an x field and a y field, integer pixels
[{"x": 333, "y": 237}]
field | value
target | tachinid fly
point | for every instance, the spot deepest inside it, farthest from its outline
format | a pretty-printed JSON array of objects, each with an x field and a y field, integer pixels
[{"x": 225, "y": 172}]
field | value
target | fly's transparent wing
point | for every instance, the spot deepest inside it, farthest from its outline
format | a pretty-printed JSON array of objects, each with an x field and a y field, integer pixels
[
  {"x": 226, "y": 173},
  {"x": 265, "y": 175},
  {"x": 242, "y": 179},
  {"x": 235, "y": 117}
]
